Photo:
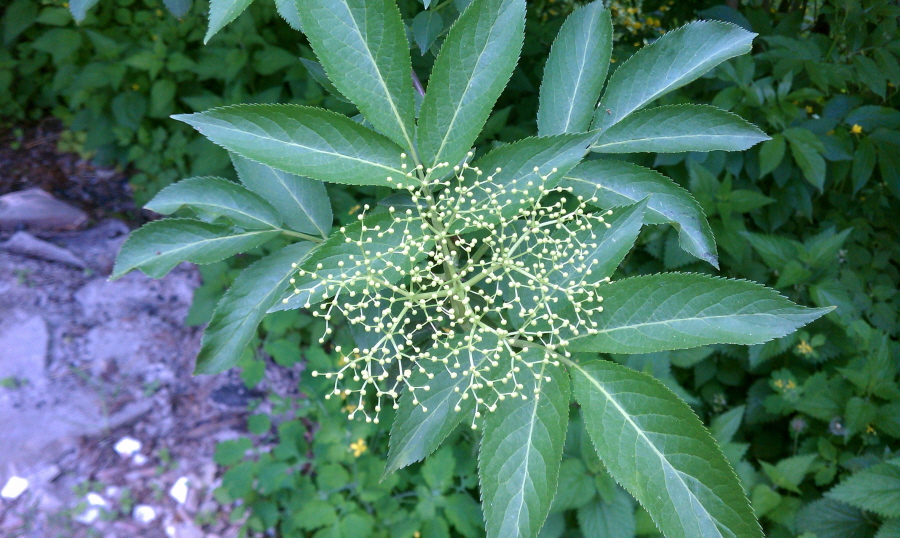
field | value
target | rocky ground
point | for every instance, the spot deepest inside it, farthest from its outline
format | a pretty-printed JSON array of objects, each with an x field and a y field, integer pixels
[{"x": 105, "y": 432}]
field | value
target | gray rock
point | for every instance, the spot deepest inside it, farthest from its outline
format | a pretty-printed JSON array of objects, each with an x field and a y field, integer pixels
[
  {"x": 34, "y": 209},
  {"x": 24, "y": 341},
  {"x": 27, "y": 245}
]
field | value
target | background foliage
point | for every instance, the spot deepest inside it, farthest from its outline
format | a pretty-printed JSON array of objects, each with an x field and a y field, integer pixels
[{"x": 811, "y": 421}]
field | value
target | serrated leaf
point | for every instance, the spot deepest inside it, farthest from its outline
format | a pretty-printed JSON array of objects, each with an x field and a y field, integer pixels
[
  {"x": 681, "y": 310},
  {"x": 317, "y": 72},
  {"x": 673, "y": 60},
  {"x": 828, "y": 518},
  {"x": 679, "y": 128},
  {"x": 575, "y": 71},
  {"x": 388, "y": 250},
  {"x": 426, "y": 27},
  {"x": 618, "y": 183},
  {"x": 724, "y": 426},
  {"x": 362, "y": 46},
  {"x": 807, "y": 150},
  {"x": 775, "y": 251},
  {"x": 576, "y": 486},
  {"x": 517, "y": 183},
  {"x": 655, "y": 446},
  {"x": 474, "y": 64},
  {"x": 520, "y": 454},
  {"x": 864, "y": 159},
  {"x": 789, "y": 472},
  {"x": 157, "y": 247},
  {"x": 222, "y": 12},
  {"x": 302, "y": 140},
  {"x": 889, "y": 529},
  {"x": 243, "y": 307},
  {"x": 79, "y": 8},
  {"x": 214, "y": 197},
  {"x": 289, "y": 12},
  {"x": 876, "y": 489},
  {"x": 771, "y": 153},
  {"x": 419, "y": 429},
  {"x": 608, "y": 518},
  {"x": 303, "y": 203}
]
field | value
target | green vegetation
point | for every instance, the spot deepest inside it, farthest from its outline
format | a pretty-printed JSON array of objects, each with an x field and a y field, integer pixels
[{"x": 810, "y": 421}]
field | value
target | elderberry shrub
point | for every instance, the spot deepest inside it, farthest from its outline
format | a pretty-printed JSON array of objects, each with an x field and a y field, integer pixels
[{"x": 482, "y": 290}]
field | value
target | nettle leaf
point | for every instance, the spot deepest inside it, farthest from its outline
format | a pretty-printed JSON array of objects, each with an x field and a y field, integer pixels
[
  {"x": 362, "y": 46},
  {"x": 618, "y": 183},
  {"x": 876, "y": 489},
  {"x": 335, "y": 257},
  {"x": 157, "y": 247},
  {"x": 520, "y": 454},
  {"x": 679, "y": 128},
  {"x": 420, "y": 427},
  {"x": 222, "y": 12},
  {"x": 474, "y": 64},
  {"x": 673, "y": 60},
  {"x": 243, "y": 307},
  {"x": 303, "y": 203},
  {"x": 302, "y": 140},
  {"x": 517, "y": 163},
  {"x": 575, "y": 71},
  {"x": 678, "y": 310},
  {"x": 213, "y": 197},
  {"x": 827, "y": 518},
  {"x": 609, "y": 518},
  {"x": 655, "y": 446}
]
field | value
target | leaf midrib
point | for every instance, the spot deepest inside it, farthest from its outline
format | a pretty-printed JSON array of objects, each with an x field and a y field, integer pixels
[
  {"x": 582, "y": 62},
  {"x": 188, "y": 246},
  {"x": 643, "y": 436},
  {"x": 657, "y": 138}
]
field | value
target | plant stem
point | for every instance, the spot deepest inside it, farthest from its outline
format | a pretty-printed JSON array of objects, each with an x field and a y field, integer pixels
[{"x": 307, "y": 237}]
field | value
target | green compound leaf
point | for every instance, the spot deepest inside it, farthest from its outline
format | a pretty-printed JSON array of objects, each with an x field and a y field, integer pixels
[
  {"x": 222, "y": 12},
  {"x": 419, "y": 429},
  {"x": 655, "y": 446},
  {"x": 679, "y": 128},
  {"x": 362, "y": 46},
  {"x": 681, "y": 310},
  {"x": 474, "y": 64},
  {"x": 338, "y": 256},
  {"x": 213, "y": 197},
  {"x": 827, "y": 518},
  {"x": 575, "y": 71},
  {"x": 675, "y": 59},
  {"x": 302, "y": 140},
  {"x": 303, "y": 203},
  {"x": 518, "y": 182},
  {"x": 876, "y": 489},
  {"x": 771, "y": 153},
  {"x": 289, "y": 12},
  {"x": 79, "y": 8},
  {"x": 157, "y": 247},
  {"x": 618, "y": 183},
  {"x": 243, "y": 307},
  {"x": 521, "y": 451},
  {"x": 613, "y": 244},
  {"x": 807, "y": 150},
  {"x": 317, "y": 72}
]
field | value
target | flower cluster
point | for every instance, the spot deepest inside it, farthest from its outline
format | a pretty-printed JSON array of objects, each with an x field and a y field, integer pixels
[{"x": 482, "y": 284}]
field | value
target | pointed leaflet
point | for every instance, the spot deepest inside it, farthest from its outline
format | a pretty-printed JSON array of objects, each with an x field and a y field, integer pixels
[
  {"x": 655, "y": 446},
  {"x": 517, "y": 184},
  {"x": 416, "y": 433},
  {"x": 679, "y": 310},
  {"x": 378, "y": 238},
  {"x": 157, "y": 247},
  {"x": 302, "y": 140},
  {"x": 317, "y": 72},
  {"x": 605, "y": 248},
  {"x": 302, "y": 202},
  {"x": 221, "y": 12},
  {"x": 214, "y": 197},
  {"x": 289, "y": 12},
  {"x": 362, "y": 46},
  {"x": 618, "y": 183},
  {"x": 521, "y": 450},
  {"x": 575, "y": 71},
  {"x": 678, "y": 128},
  {"x": 679, "y": 57},
  {"x": 875, "y": 489},
  {"x": 79, "y": 8},
  {"x": 243, "y": 307},
  {"x": 474, "y": 64}
]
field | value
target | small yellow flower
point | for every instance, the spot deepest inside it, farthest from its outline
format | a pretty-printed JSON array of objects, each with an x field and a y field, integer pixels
[
  {"x": 856, "y": 129},
  {"x": 135, "y": 87},
  {"x": 809, "y": 109},
  {"x": 779, "y": 383},
  {"x": 637, "y": 25},
  {"x": 159, "y": 13},
  {"x": 830, "y": 133},
  {"x": 417, "y": 534},
  {"x": 790, "y": 384},
  {"x": 359, "y": 447},
  {"x": 354, "y": 209},
  {"x": 631, "y": 10},
  {"x": 870, "y": 429},
  {"x": 804, "y": 348}
]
